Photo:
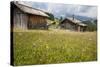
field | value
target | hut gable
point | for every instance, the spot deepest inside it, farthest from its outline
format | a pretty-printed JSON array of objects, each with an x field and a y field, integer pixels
[
  {"x": 73, "y": 24},
  {"x": 26, "y": 17}
]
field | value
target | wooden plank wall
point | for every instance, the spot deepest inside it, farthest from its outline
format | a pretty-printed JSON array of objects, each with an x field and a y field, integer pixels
[
  {"x": 20, "y": 19},
  {"x": 68, "y": 25},
  {"x": 37, "y": 22}
]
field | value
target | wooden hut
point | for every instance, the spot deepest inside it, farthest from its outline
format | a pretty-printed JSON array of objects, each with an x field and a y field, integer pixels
[
  {"x": 26, "y": 17},
  {"x": 73, "y": 24}
]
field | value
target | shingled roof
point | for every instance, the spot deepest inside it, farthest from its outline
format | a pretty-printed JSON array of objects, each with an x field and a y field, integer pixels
[{"x": 30, "y": 10}]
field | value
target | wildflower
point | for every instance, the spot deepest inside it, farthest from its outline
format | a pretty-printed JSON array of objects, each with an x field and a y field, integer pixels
[
  {"x": 47, "y": 46},
  {"x": 34, "y": 44},
  {"x": 90, "y": 39}
]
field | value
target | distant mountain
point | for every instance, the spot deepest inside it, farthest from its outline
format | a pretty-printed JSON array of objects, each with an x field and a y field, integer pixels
[
  {"x": 91, "y": 25},
  {"x": 81, "y": 18}
]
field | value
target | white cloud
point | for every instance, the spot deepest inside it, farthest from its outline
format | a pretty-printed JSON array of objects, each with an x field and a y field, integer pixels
[
  {"x": 92, "y": 12},
  {"x": 64, "y": 9},
  {"x": 82, "y": 10}
]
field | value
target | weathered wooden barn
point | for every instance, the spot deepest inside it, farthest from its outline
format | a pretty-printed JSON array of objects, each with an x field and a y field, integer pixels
[
  {"x": 73, "y": 24},
  {"x": 26, "y": 17}
]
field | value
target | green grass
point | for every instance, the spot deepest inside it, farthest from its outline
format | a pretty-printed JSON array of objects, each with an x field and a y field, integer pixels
[{"x": 53, "y": 46}]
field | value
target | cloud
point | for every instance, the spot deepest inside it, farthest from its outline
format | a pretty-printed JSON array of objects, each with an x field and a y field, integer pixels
[
  {"x": 43, "y": 6},
  {"x": 82, "y": 10},
  {"x": 88, "y": 11},
  {"x": 64, "y": 9}
]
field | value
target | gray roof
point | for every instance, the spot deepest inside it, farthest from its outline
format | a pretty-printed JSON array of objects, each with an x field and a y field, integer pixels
[
  {"x": 76, "y": 21},
  {"x": 30, "y": 10}
]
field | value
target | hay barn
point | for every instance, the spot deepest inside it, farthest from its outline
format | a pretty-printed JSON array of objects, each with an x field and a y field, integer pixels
[
  {"x": 26, "y": 17},
  {"x": 73, "y": 24}
]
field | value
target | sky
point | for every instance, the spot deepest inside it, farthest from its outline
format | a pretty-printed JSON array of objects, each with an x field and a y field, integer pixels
[{"x": 58, "y": 9}]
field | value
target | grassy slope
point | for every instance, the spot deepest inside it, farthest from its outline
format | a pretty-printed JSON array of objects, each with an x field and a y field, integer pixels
[{"x": 44, "y": 47}]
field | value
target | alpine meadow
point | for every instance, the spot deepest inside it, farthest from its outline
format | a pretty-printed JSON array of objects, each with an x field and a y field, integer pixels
[{"x": 53, "y": 46}]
